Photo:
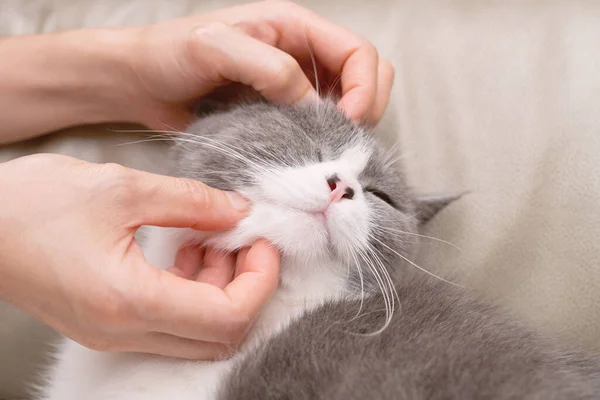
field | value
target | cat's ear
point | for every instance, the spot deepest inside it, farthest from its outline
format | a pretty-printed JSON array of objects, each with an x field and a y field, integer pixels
[
  {"x": 224, "y": 98},
  {"x": 429, "y": 206}
]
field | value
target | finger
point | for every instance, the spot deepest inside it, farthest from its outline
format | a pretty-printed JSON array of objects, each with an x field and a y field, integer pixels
[
  {"x": 256, "y": 279},
  {"x": 174, "y": 346},
  {"x": 194, "y": 310},
  {"x": 336, "y": 48},
  {"x": 296, "y": 31},
  {"x": 181, "y": 203},
  {"x": 188, "y": 260},
  {"x": 218, "y": 268},
  {"x": 225, "y": 53},
  {"x": 201, "y": 311},
  {"x": 241, "y": 261},
  {"x": 385, "y": 81}
]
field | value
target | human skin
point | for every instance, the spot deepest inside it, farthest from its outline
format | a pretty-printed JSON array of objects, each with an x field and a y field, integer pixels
[{"x": 67, "y": 254}]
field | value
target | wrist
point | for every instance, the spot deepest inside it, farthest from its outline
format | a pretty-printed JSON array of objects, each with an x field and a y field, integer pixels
[
  {"x": 70, "y": 78},
  {"x": 98, "y": 73}
]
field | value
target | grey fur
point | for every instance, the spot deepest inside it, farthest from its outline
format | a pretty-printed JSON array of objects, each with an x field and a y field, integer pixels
[{"x": 441, "y": 343}]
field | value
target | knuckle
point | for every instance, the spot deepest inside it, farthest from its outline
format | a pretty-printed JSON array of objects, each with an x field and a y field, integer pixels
[
  {"x": 209, "y": 32},
  {"x": 204, "y": 39},
  {"x": 117, "y": 180},
  {"x": 113, "y": 170}
]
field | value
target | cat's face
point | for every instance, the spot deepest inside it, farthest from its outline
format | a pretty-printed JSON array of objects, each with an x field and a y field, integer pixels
[{"x": 320, "y": 187}]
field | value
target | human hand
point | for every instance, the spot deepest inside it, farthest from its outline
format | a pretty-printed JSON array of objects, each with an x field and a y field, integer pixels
[
  {"x": 263, "y": 45},
  {"x": 68, "y": 257},
  {"x": 153, "y": 75}
]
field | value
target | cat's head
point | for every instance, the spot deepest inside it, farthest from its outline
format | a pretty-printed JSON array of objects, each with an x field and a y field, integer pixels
[{"x": 321, "y": 187}]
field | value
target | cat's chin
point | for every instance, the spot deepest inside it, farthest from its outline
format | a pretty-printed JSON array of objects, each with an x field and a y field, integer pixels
[
  {"x": 312, "y": 247},
  {"x": 295, "y": 233},
  {"x": 301, "y": 237}
]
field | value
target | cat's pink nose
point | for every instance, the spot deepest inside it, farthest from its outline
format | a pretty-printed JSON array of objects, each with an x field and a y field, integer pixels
[{"x": 339, "y": 189}]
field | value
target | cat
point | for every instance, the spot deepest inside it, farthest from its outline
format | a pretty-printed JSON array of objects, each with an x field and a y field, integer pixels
[{"x": 353, "y": 317}]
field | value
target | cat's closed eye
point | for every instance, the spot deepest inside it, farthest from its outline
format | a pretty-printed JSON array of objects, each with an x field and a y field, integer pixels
[{"x": 382, "y": 196}]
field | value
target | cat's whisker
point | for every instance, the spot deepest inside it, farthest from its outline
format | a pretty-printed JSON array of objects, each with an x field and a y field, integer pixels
[
  {"x": 414, "y": 264},
  {"x": 388, "y": 278},
  {"x": 239, "y": 150},
  {"x": 178, "y": 137},
  {"x": 387, "y": 317},
  {"x": 331, "y": 88},
  {"x": 391, "y": 157},
  {"x": 165, "y": 139},
  {"x": 384, "y": 229},
  {"x": 172, "y": 140},
  {"x": 314, "y": 63},
  {"x": 173, "y": 128},
  {"x": 142, "y": 131},
  {"x": 376, "y": 275},
  {"x": 391, "y": 162},
  {"x": 362, "y": 282},
  {"x": 166, "y": 136},
  {"x": 224, "y": 149},
  {"x": 387, "y": 296},
  {"x": 234, "y": 150}
]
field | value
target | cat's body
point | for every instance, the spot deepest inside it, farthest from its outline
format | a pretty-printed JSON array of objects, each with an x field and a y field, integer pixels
[
  {"x": 441, "y": 344},
  {"x": 339, "y": 209}
]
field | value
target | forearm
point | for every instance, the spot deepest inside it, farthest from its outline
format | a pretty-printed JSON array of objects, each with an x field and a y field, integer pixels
[{"x": 53, "y": 81}]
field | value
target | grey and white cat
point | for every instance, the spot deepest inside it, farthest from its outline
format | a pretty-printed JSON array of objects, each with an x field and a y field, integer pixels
[{"x": 352, "y": 317}]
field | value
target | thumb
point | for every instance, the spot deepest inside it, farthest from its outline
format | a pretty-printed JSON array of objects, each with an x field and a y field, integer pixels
[
  {"x": 205, "y": 312},
  {"x": 184, "y": 203}
]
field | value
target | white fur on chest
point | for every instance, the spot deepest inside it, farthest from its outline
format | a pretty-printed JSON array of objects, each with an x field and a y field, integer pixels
[{"x": 85, "y": 374}]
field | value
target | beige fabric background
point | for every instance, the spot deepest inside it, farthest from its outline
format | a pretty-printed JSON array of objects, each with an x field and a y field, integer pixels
[{"x": 501, "y": 98}]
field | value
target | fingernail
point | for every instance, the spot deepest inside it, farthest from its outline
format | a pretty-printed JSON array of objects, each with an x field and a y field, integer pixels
[{"x": 237, "y": 201}]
